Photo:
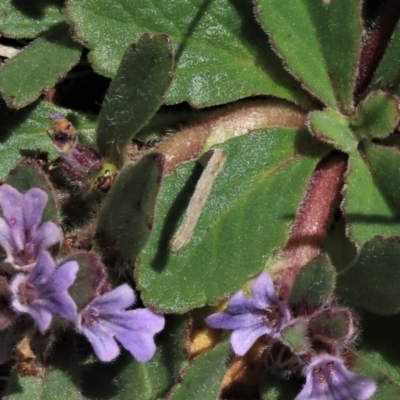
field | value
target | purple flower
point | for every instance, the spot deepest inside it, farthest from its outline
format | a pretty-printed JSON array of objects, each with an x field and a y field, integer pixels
[
  {"x": 250, "y": 318},
  {"x": 43, "y": 291},
  {"x": 20, "y": 234},
  {"x": 329, "y": 379},
  {"x": 105, "y": 319}
]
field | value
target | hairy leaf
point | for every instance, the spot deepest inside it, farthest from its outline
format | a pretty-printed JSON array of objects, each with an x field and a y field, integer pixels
[
  {"x": 310, "y": 38},
  {"x": 259, "y": 189},
  {"x": 371, "y": 282},
  {"x": 26, "y": 19},
  {"x": 221, "y": 54},
  {"x": 38, "y": 66},
  {"x": 135, "y": 94},
  {"x": 366, "y": 211}
]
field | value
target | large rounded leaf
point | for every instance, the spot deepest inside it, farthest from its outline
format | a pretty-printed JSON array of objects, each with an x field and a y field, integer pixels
[
  {"x": 248, "y": 215},
  {"x": 221, "y": 54}
]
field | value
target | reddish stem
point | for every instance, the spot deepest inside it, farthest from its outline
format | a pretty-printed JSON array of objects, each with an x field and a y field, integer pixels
[
  {"x": 375, "y": 45},
  {"x": 321, "y": 199}
]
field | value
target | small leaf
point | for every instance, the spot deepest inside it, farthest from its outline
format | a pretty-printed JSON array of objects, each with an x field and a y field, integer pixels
[
  {"x": 309, "y": 36},
  {"x": 313, "y": 285},
  {"x": 296, "y": 336},
  {"x": 203, "y": 379},
  {"x": 27, "y": 175},
  {"x": 333, "y": 128},
  {"x": 366, "y": 211},
  {"x": 38, "y": 66},
  {"x": 26, "y": 19},
  {"x": 221, "y": 54},
  {"x": 387, "y": 75},
  {"x": 332, "y": 324},
  {"x": 23, "y": 132},
  {"x": 127, "y": 379},
  {"x": 371, "y": 282},
  {"x": 135, "y": 94},
  {"x": 261, "y": 185},
  {"x": 126, "y": 219},
  {"x": 377, "y": 116}
]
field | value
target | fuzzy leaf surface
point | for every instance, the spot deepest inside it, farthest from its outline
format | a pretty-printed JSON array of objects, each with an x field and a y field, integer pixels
[
  {"x": 367, "y": 212},
  {"x": 126, "y": 218},
  {"x": 135, "y": 94},
  {"x": 203, "y": 378},
  {"x": 26, "y": 19},
  {"x": 127, "y": 379},
  {"x": 59, "y": 378},
  {"x": 221, "y": 54},
  {"x": 387, "y": 75},
  {"x": 384, "y": 163},
  {"x": 260, "y": 187},
  {"x": 333, "y": 128},
  {"x": 371, "y": 282},
  {"x": 377, "y": 116},
  {"x": 313, "y": 285},
  {"x": 309, "y": 36},
  {"x": 38, "y": 66},
  {"x": 377, "y": 358},
  {"x": 274, "y": 387},
  {"x": 22, "y": 132}
]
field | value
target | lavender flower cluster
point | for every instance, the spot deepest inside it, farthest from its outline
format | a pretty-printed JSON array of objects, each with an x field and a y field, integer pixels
[
  {"x": 39, "y": 288},
  {"x": 264, "y": 314}
]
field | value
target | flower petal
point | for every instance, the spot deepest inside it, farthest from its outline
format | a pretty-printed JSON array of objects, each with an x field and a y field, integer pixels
[
  {"x": 65, "y": 275},
  {"x": 139, "y": 341},
  {"x": 46, "y": 236},
  {"x": 34, "y": 203},
  {"x": 227, "y": 321},
  {"x": 118, "y": 299},
  {"x": 43, "y": 269},
  {"x": 41, "y": 316},
  {"x": 264, "y": 291},
  {"x": 11, "y": 201},
  {"x": 240, "y": 304},
  {"x": 6, "y": 241},
  {"x": 243, "y": 339},
  {"x": 103, "y": 343}
]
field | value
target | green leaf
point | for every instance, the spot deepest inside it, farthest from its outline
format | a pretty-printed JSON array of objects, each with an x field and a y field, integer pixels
[
  {"x": 26, "y": 19},
  {"x": 27, "y": 175},
  {"x": 125, "y": 221},
  {"x": 313, "y": 285},
  {"x": 38, "y": 66},
  {"x": 365, "y": 209},
  {"x": 337, "y": 245},
  {"x": 135, "y": 94},
  {"x": 388, "y": 73},
  {"x": 59, "y": 378},
  {"x": 310, "y": 38},
  {"x": 203, "y": 379},
  {"x": 377, "y": 116},
  {"x": 221, "y": 55},
  {"x": 23, "y": 132},
  {"x": 371, "y": 282},
  {"x": 296, "y": 336},
  {"x": 379, "y": 353},
  {"x": 273, "y": 387},
  {"x": 127, "y": 379},
  {"x": 384, "y": 164},
  {"x": 260, "y": 187},
  {"x": 333, "y": 128}
]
